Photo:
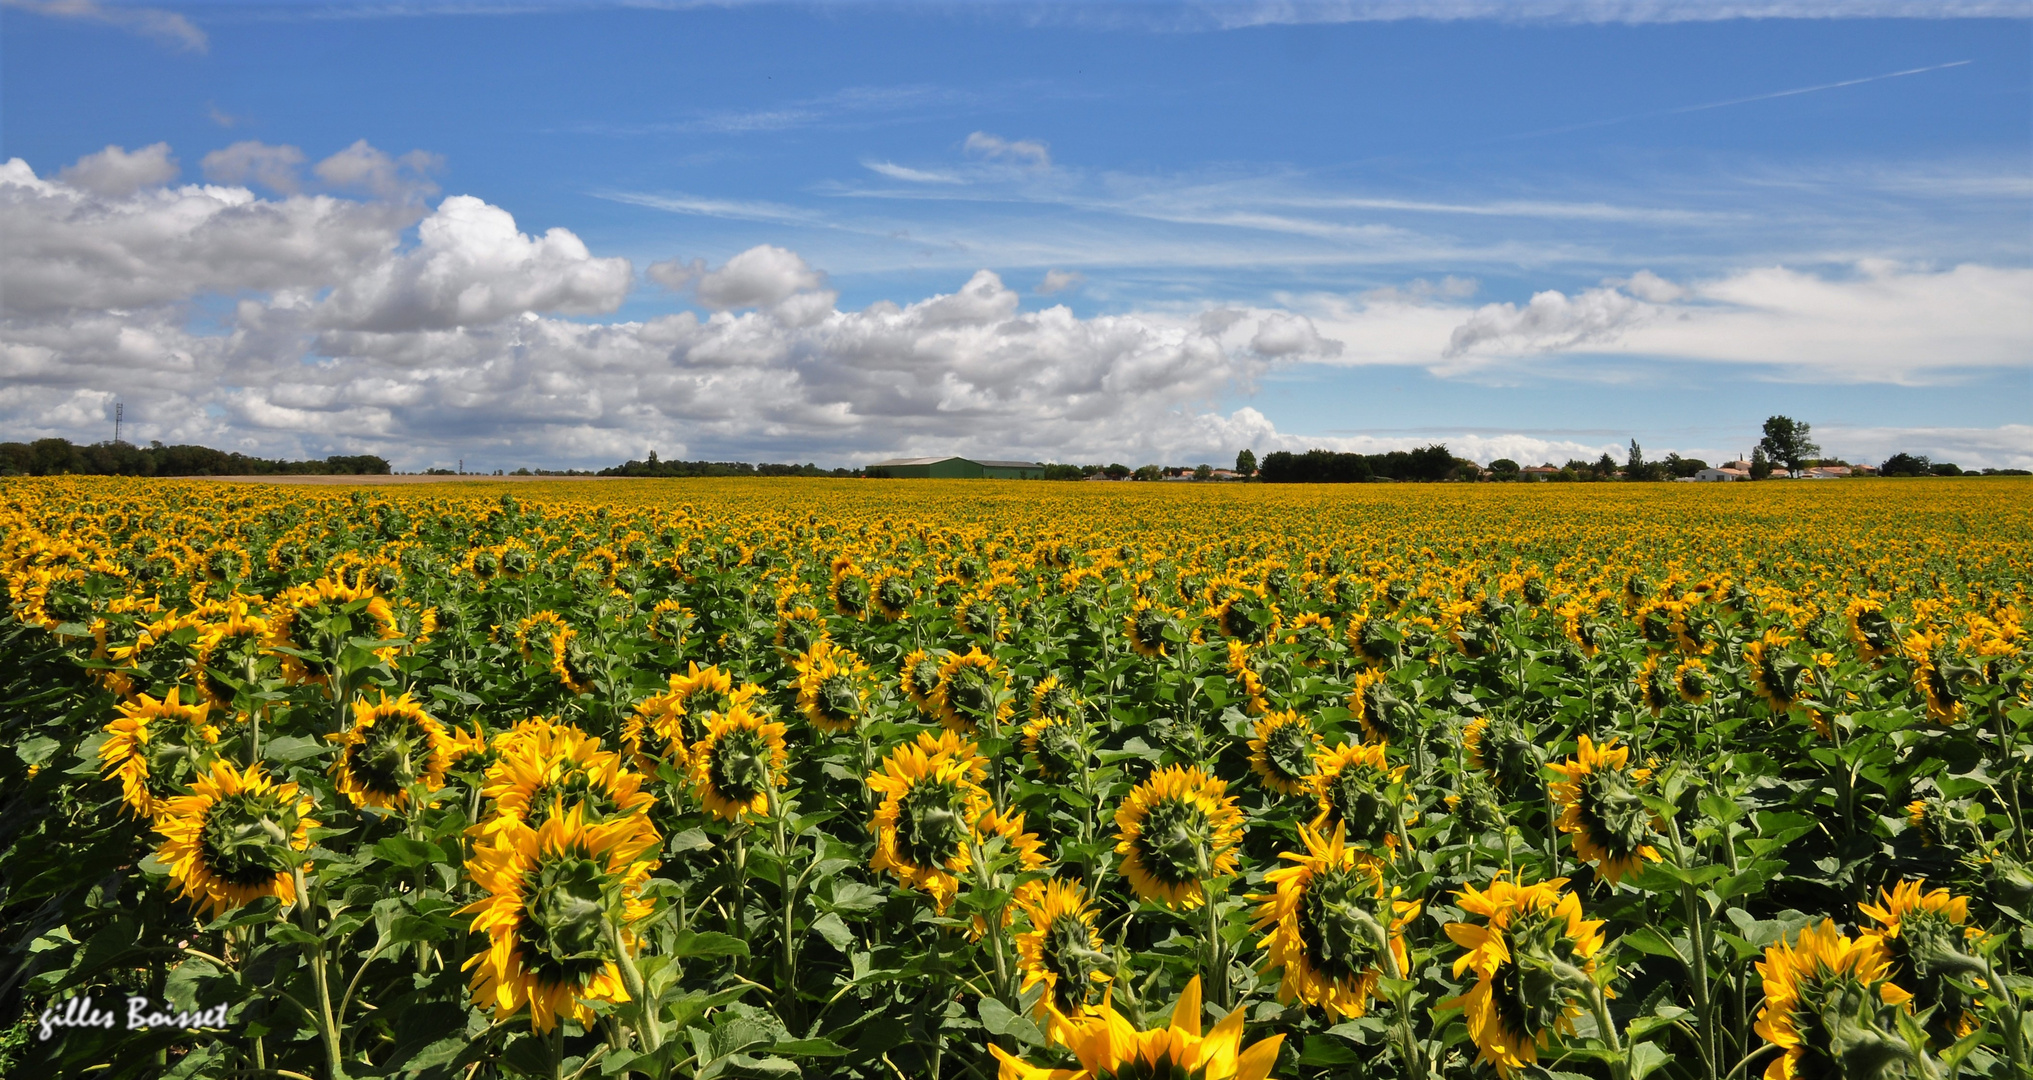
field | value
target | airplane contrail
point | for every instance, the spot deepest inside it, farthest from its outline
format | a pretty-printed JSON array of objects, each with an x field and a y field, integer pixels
[{"x": 1733, "y": 101}]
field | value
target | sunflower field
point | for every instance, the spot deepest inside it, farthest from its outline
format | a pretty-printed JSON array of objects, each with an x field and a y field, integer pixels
[{"x": 945, "y": 779}]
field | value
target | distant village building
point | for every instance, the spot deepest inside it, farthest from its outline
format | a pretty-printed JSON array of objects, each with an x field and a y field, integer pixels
[
  {"x": 957, "y": 468},
  {"x": 1723, "y": 474}
]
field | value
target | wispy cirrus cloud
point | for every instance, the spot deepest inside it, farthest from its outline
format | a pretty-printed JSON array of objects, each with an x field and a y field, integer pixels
[{"x": 168, "y": 27}]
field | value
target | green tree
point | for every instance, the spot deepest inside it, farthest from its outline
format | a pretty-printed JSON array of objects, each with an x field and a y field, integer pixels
[
  {"x": 1904, "y": 464},
  {"x": 1204, "y": 472},
  {"x": 1246, "y": 463},
  {"x": 1786, "y": 442},
  {"x": 1504, "y": 468},
  {"x": 1148, "y": 472},
  {"x": 1761, "y": 466}
]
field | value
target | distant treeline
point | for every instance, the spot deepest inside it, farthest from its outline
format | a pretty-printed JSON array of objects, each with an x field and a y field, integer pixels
[
  {"x": 1428, "y": 463},
  {"x": 653, "y": 467},
  {"x": 58, "y": 457}
]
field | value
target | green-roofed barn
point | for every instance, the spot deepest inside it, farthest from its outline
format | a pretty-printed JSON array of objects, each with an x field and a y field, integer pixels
[{"x": 958, "y": 468}]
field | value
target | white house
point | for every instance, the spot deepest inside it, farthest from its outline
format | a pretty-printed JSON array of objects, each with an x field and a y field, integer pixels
[{"x": 1723, "y": 474}]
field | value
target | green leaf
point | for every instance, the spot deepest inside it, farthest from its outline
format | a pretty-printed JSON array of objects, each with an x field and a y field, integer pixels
[
  {"x": 406, "y": 852},
  {"x": 1646, "y": 1057},
  {"x": 694, "y": 943},
  {"x": 997, "y": 1018},
  {"x": 289, "y": 748},
  {"x": 809, "y": 1048},
  {"x": 836, "y": 933}
]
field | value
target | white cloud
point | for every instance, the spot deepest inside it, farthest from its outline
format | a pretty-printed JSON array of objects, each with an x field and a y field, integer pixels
[
  {"x": 1282, "y": 335},
  {"x": 361, "y": 167},
  {"x": 1058, "y": 281},
  {"x": 1023, "y": 151},
  {"x": 115, "y": 172},
  {"x": 760, "y": 276},
  {"x": 908, "y": 174},
  {"x": 1879, "y": 323},
  {"x": 167, "y": 27},
  {"x": 273, "y": 167},
  {"x": 471, "y": 266}
]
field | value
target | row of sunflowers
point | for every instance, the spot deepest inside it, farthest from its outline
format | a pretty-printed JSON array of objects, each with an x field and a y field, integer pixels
[{"x": 938, "y": 780}]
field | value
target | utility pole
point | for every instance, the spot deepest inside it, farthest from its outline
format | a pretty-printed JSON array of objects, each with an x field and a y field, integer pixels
[
  {"x": 462, "y": 466},
  {"x": 119, "y": 413}
]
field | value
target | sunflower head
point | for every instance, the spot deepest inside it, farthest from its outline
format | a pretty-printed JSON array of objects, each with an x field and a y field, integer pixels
[
  {"x": 980, "y": 616},
  {"x": 740, "y": 763},
  {"x": 1824, "y": 994},
  {"x": 1531, "y": 957},
  {"x": 1384, "y": 716},
  {"x": 833, "y": 687},
  {"x": 1655, "y": 684},
  {"x": 799, "y": 626},
  {"x": 1870, "y": 628},
  {"x": 931, "y": 799},
  {"x": 893, "y": 596},
  {"x": 545, "y": 770},
  {"x": 154, "y": 747},
  {"x": 1332, "y": 922},
  {"x": 1476, "y": 804},
  {"x": 1602, "y": 810},
  {"x": 920, "y": 680},
  {"x": 392, "y": 745},
  {"x": 1691, "y": 681},
  {"x": 671, "y": 622},
  {"x": 1146, "y": 625},
  {"x": 1775, "y": 674},
  {"x": 1062, "y": 948},
  {"x": 236, "y": 837},
  {"x": 1353, "y": 785},
  {"x": 558, "y": 898},
  {"x": 1175, "y": 831},
  {"x": 1283, "y": 750},
  {"x": 1927, "y": 936},
  {"x": 972, "y": 691},
  {"x": 851, "y": 594},
  {"x": 1057, "y": 743},
  {"x": 1109, "y": 1047},
  {"x": 1497, "y": 745}
]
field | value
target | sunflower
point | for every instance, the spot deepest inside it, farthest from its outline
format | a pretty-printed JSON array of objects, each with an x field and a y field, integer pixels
[
  {"x": 1775, "y": 674},
  {"x": 1384, "y": 715},
  {"x": 1352, "y": 784},
  {"x": 833, "y": 687},
  {"x": 670, "y": 622},
  {"x": 1244, "y": 612},
  {"x": 1146, "y": 624},
  {"x": 1823, "y": 976},
  {"x": 979, "y": 615},
  {"x": 1690, "y": 680},
  {"x": 233, "y": 839},
  {"x": 568, "y": 661},
  {"x": 1655, "y": 684},
  {"x": 931, "y": 799},
  {"x": 156, "y": 746},
  {"x": 1057, "y": 743},
  {"x": 1925, "y": 934},
  {"x": 1062, "y": 949},
  {"x": 893, "y": 595},
  {"x": 739, "y": 763},
  {"x": 851, "y": 594},
  {"x": 392, "y": 744},
  {"x": 970, "y": 690},
  {"x": 1328, "y": 922},
  {"x": 1369, "y": 636},
  {"x": 470, "y": 754},
  {"x": 1283, "y": 751},
  {"x": 1496, "y": 745},
  {"x": 799, "y": 626},
  {"x": 920, "y": 680},
  {"x": 1522, "y": 995},
  {"x": 551, "y": 769},
  {"x": 655, "y": 733},
  {"x": 1869, "y": 627},
  {"x": 1177, "y": 829},
  {"x": 1930, "y": 659},
  {"x": 1109, "y": 1047},
  {"x": 239, "y": 636},
  {"x": 1602, "y": 810},
  {"x": 1249, "y": 684},
  {"x": 559, "y": 899},
  {"x": 703, "y": 693}
]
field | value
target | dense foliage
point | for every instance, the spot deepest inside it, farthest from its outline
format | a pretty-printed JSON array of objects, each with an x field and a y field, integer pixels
[
  {"x": 61, "y": 457},
  {"x": 962, "y": 779}
]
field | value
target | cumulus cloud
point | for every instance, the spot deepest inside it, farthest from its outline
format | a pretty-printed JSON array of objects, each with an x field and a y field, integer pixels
[
  {"x": 167, "y": 27},
  {"x": 1028, "y": 152},
  {"x": 273, "y": 167},
  {"x": 361, "y": 167},
  {"x": 1283, "y": 335},
  {"x": 910, "y": 175},
  {"x": 1551, "y": 321},
  {"x": 115, "y": 171},
  {"x": 760, "y": 276},
  {"x": 1058, "y": 281},
  {"x": 472, "y": 266}
]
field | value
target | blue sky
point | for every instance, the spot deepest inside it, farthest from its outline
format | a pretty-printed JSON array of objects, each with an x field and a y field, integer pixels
[{"x": 1830, "y": 217}]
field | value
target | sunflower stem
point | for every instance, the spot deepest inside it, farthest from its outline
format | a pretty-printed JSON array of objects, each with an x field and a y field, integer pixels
[
  {"x": 631, "y": 977},
  {"x": 1217, "y": 964},
  {"x": 314, "y": 953},
  {"x": 1697, "y": 936}
]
